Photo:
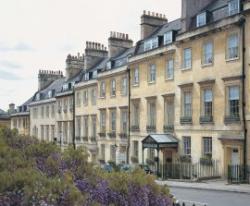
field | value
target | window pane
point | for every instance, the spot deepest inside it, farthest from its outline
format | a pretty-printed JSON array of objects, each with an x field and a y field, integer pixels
[
  {"x": 136, "y": 76},
  {"x": 208, "y": 53},
  {"x": 233, "y": 7},
  {"x": 187, "y": 104},
  {"x": 208, "y": 95},
  {"x": 201, "y": 19},
  {"x": 234, "y": 93},
  {"x": 207, "y": 145},
  {"x": 170, "y": 69},
  {"x": 168, "y": 37},
  {"x": 187, "y": 59},
  {"x": 233, "y": 46},
  {"x": 187, "y": 145},
  {"x": 152, "y": 73}
]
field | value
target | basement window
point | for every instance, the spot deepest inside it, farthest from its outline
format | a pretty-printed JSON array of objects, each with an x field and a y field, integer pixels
[{"x": 201, "y": 19}]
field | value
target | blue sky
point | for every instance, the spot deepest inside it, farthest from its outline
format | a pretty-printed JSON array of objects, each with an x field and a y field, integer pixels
[{"x": 38, "y": 34}]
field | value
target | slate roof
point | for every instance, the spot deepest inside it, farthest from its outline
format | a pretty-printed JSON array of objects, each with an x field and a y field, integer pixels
[
  {"x": 4, "y": 115},
  {"x": 122, "y": 58},
  {"x": 2, "y": 112},
  {"x": 217, "y": 10},
  {"x": 159, "y": 31},
  {"x": 55, "y": 85}
]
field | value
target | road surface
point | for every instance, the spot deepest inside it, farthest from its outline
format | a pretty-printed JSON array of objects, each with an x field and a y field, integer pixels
[{"x": 211, "y": 198}]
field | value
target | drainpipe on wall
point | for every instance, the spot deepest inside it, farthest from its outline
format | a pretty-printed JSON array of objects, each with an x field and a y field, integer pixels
[
  {"x": 73, "y": 123},
  {"x": 242, "y": 26},
  {"x": 129, "y": 97}
]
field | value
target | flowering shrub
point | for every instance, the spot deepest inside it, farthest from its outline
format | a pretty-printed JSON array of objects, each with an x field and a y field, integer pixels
[{"x": 38, "y": 173}]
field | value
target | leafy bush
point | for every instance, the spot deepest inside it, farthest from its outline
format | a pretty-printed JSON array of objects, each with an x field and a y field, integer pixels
[{"x": 39, "y": 173}]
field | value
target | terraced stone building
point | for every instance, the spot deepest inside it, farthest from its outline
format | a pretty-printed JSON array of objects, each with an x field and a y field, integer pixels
[{"x": 181, "y": 93}]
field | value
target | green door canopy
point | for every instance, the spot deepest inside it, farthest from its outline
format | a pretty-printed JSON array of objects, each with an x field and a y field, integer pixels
[{"x": 159, "y": 141}]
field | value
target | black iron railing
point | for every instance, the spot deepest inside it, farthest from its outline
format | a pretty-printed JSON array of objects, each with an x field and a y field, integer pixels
[
  {"x": 238, "y": 174},
  {"x": 168, "y": 128}
]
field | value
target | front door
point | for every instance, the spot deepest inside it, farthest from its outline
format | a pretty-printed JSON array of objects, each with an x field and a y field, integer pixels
[
  {"x": 235, "y": 158},
  {"x": 235, "y": 165}
]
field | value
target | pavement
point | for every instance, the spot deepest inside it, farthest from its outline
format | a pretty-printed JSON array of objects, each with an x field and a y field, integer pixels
[{"x": 212, "y": 185}]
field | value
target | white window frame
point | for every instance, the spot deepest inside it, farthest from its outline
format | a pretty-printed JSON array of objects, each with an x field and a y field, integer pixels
[
  {"x": 231, "y": 7},
  {"x": 187, "y": 61},
  {"x": 207, "y": 54},
  {"x": 235, "y": 49},
  {"x": 124, "y": 86},
  {"x": 169, "y": 69},
  {"x": 207, "y": 143},
  {"x": 152, "y": 73},
  {"x": 103, "y": 121},
  {"x": 136, "y": 79},
  {"x": 93, "y": 96},
  {"x": 209, "y": 100},
  {"x": 112, "y": 88},
  {"x": 185, "y": 110},
  {"x": 113, "y": 120},
  {"x": 151, "y": 44},
  {"x": 201, "y": 19},
  {"x": 187, "y": 145},
  {"x": 85, "y": 97},
  {"x": 168, "y": 37},
  {"x": 152, "y": 112},
  {"x": 102, "y": 89},
  {"x": 124, "y": 121}
]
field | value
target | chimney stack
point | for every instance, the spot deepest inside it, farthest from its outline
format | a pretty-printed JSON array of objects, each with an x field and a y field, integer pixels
[
  {"x": 189, "y": 9},
  {"x": 46, "y": 77},
  {"x": 74, "y": 64},
  {"x": 11, "y": 108},
  {"x": 94, "y": 52},
  {"x": 118, "y": 42},
  {"x": 150, "y": 21}
]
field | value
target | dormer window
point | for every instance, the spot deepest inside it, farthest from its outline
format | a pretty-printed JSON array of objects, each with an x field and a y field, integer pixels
[
  {"x": 95, "y": 74},
  {"x": 86, "y": 76},
  {"x": 201, "y": 19},
  {"x": 234, "y": 7},
  {"x": 168, "y": 37},
  {"x": 50, "y": 93},
  {"x": 37, "y": 96},
  {"x": 151, "y": 44},
  {"x": 109, "y": 65},
  {"x": 65, "y": 87}
]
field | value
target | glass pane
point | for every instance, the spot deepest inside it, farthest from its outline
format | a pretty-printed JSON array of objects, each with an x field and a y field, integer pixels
[
  {"x": 208, "y": 95},
  {"x": 234, "y": 93}
]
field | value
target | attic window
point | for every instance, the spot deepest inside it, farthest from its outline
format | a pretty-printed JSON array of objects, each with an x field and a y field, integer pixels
[
  {"x": 201, "y": 19},
  {"x": 234, "y": 7},
  {"x": 86, "y": 76},
  {"x": 50, "y": 94},
  {"x": 95, "y": 74},
  {"x": 168, "y": 37},
  {"x": 65, "y": 87},
  {"x": 109, "y": 65},
  {"x": 151, "y": 44},
  {"x": 37, "y": 96}
]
